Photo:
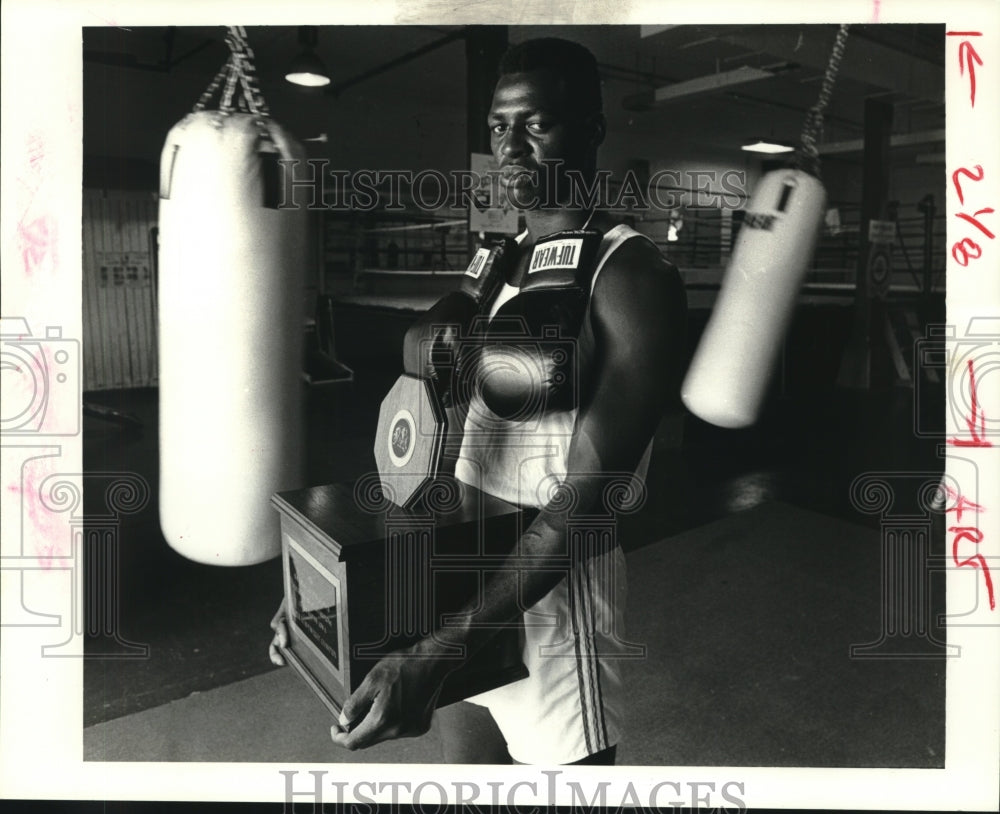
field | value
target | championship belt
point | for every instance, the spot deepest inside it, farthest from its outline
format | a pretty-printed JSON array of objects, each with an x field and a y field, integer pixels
[{"x": 410, "y": 442}]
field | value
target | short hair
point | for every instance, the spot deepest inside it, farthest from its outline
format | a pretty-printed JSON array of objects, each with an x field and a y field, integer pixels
[{"x": 567, "y": 60}]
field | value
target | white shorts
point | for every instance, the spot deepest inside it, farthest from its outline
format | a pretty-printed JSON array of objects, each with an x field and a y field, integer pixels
[{"x": 570, "y": 705}]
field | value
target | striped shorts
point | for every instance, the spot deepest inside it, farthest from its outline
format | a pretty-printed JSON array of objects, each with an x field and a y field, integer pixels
[{"x": 570, "y": 705}]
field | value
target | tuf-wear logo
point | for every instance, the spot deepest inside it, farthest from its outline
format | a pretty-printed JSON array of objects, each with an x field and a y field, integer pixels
[
  {"x": 558, "y": 254},
  {"x": 755, "y": 220},
  {"x": 478, "y": 262}
]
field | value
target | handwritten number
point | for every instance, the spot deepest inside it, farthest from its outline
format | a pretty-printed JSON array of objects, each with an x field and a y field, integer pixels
[
  {"x": 962, "y": 254},
  {"x": 968, "y": 173},
  {"x": 963, "y": 251},
  {"x": 975, "y": 221}
]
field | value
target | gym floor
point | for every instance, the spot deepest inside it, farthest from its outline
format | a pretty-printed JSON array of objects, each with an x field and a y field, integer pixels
[{"x": 751, "y": 574}]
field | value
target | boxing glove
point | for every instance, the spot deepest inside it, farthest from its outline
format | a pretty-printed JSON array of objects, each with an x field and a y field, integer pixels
[
  {"x": 436, "y": 344},
  {"x": 529, "y": 361}
]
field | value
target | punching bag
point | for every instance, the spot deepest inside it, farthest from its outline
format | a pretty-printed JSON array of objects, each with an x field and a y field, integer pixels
[
  {"x": 736, "y": 356},
  {"x": 231, "y": 277}
]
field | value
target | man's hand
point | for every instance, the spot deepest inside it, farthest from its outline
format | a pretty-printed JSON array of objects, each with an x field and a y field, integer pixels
[
  {"x": 280, "y": 636},
  {"x": 396, "y": 699}
]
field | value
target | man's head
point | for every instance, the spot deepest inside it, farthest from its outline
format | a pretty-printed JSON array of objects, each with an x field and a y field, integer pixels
[{"x": 547, "y": 107}]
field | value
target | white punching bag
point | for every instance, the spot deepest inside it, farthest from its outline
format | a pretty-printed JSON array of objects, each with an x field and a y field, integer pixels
[
  {"x": 736, "y": 356},
  {"x": 231, "y": 276}
]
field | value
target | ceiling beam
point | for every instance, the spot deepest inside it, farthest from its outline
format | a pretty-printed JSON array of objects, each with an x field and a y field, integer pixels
[
  {"x": 864, "y": 60},
  {"x": 451, "y": 36},
  {"x": 898, "y": 140},
  {"x": 809, "y": 45},
  {"x": 709, "y": 83},
  {"x": 123, "y": 59}
]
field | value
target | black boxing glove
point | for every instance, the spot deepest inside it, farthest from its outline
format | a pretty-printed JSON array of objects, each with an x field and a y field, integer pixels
[
  {"x": 529, "y": 361},
  {"x": 433, "y": 345}
]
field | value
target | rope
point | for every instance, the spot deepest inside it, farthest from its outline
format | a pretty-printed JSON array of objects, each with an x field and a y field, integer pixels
[
  {"x": 239, "y": 69},
  {"x": 242, "y": 59},
  {"x": 226, "y": 103},
  {"x": 242, "y": 56},
  {"x": 212, "y": 87},
  {"x": 813, "y": 127}
]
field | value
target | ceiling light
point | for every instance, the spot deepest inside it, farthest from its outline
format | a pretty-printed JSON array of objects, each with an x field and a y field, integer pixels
[
  {"x": 768, "y": 146},
  {"x": 307, "y": 69}
]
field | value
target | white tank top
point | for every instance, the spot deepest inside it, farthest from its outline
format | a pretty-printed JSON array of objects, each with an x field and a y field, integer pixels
[{"x": 523, "y": 462}]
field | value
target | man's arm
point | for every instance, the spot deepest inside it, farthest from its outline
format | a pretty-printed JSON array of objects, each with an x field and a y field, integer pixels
[{"x": 638, "y": 314}]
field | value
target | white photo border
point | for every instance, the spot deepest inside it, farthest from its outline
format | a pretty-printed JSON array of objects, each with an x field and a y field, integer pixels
[{"x": 41, "y": 741}]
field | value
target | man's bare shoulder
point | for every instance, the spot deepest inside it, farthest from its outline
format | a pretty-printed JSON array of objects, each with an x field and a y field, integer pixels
[{"x": 635, "y": 276}]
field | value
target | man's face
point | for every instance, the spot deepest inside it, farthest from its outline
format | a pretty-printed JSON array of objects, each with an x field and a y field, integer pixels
[{"x": 530, "y": 122}]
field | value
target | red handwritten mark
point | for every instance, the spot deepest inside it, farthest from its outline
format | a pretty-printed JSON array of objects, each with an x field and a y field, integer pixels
[
  {"x": 31, "y": 180},
  {"x": 961, "y": 503},
  {"x": 36, "y": 233},
  {"x": 36, "y": 239},
  {"x": 977, "y": 413},
  {"x": 36, "y": 152},
  {"x": 977, "y": 561},
  {"x": 968, "y": 58},
  {"x": 967, "y": 249},
  {"x": 875, "y": 10},
  {"x": 972, "y": 534},
  {"x": 963, "y": 251},
  {"x": 967, "y": 173},
  {"x": 975, "y": 221},
  {"x": 44, "y": 529}
]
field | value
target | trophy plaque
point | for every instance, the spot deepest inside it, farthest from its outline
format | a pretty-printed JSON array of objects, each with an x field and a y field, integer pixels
[{"x": 364, "y": 577}]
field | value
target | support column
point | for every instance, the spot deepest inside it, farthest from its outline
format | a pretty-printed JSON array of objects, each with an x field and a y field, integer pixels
[
  {"x": 927, "y": 209},
  {"x": 856, "y": 367},
  {"x": 484, "y": 45}
]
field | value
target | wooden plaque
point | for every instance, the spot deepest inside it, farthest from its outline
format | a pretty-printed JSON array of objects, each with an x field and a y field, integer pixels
[{"x": 364, "y": 577}]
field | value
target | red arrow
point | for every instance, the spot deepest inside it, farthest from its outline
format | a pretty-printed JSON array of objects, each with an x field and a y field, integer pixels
[
  {"x": 967, "y": 57},
  {"x": 977, "y": 413}
]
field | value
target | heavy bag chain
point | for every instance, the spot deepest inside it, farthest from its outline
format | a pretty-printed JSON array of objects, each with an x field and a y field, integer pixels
[
  {"x": 238, "y": 68},
  {"x": 808, "y": 158}
]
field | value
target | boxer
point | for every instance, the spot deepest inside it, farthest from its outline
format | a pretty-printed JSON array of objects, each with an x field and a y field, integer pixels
[{"x": 538, "y": 418}]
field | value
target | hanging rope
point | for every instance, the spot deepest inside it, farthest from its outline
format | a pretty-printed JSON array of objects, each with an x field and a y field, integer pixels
[
  {"x": 212, "y": 87},
  {"x": 242, "y": 59},
  {"x": 239, "y": 68},
  {"x": 812, "y": 130},
  {"x": 226, "y": 104}
]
